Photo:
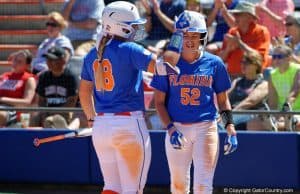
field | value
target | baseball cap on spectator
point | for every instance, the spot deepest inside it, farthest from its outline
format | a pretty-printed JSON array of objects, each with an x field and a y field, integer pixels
[
  {"x": 244, "y": 7},
  {"x": 293, "y": 18},
  {"x": 55, "y": 53}
]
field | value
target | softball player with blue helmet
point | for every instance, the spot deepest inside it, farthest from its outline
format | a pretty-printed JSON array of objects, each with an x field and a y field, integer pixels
[
  {"x": 112, "y": 97},
  {"x": 185, "y": 102}
]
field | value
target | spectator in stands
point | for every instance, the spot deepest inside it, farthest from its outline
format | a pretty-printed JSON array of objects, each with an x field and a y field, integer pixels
[
  {"x": 55, "y": 25},
  {"x": 223, "y": 20},
  {"x": 57, "y": 87},
  {"x": 284, "y": 86},
  {"x": 84, "y": 23},
  {"x": 272, "y": 14},
  {"x": 194, "y": 5},
  {"x": 242, "y": 86},
  {"x": 16, "y": 87},
  {"x": 292, "y": 23},
  {"x": 160, "y": 19},
  {"x": 247, "y": 36}
]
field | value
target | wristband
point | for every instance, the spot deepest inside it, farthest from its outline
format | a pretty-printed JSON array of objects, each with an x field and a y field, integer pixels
[
  {"x": 227, "y": 117},
  {"x": 170, "y": 126},
  {"x": 176, "y": 42}
]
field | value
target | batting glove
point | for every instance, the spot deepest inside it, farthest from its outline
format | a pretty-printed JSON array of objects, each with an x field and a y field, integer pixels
[
  {"x": 177, "y": 139},
  {"x": 231, "y": 144}
]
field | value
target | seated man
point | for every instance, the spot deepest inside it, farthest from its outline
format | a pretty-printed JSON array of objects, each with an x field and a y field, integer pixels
[
  {"x": 246, "y": 36},
  {"x": 57, "y": 87}
]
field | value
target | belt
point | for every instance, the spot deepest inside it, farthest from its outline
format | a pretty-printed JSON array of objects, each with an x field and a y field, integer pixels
[
  {"x": 134, "y": 113},
  {"x": 115, "y": 114}
]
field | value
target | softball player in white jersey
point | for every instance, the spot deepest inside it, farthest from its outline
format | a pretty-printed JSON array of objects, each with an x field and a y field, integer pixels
[
  {"x": 185, "y": 103},
  {"x": 112, "y": 97}
]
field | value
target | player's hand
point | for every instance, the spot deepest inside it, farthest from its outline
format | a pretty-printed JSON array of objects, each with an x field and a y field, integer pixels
[
  {"x": 231, "y": 144},
  {"x": 177, "y": 139},
  {"x": 182, "y": 23}
]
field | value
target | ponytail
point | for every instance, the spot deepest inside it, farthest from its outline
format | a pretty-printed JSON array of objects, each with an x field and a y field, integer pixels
[{"x": 99, "y": 74}]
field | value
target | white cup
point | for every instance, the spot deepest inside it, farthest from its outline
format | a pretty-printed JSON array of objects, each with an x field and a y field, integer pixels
[{"x": 25, "y": 117}]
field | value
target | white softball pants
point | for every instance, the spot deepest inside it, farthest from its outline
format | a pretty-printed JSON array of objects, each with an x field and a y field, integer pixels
[
  {"x": 122, "y": 144},
  {"x": 202, "y": 148}
]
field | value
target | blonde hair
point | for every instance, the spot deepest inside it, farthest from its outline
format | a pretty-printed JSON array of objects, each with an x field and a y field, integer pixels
[
  {"x": 59, "y": 19},
  {"x": 254, "y": 58}
]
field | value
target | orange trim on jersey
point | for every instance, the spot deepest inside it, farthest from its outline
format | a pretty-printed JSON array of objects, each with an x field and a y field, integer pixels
[{"x": 258, "y": 38}]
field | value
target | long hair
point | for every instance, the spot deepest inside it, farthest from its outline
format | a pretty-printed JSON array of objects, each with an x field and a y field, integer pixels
[{"x": 99, "y": 69}]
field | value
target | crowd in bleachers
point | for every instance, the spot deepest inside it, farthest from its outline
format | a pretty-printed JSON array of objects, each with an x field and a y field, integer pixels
[{"x": 259, "y": 43}]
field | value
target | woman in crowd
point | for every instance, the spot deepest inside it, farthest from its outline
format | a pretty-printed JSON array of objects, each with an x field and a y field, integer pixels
[
  {"x": 55, "y": 25},
  {"x": 17, "y": 87}
]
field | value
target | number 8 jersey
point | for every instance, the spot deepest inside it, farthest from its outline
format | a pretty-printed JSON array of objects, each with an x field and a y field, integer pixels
[
  {"x": 190, "y": 95},
  {"x": 123, "y": 63}
]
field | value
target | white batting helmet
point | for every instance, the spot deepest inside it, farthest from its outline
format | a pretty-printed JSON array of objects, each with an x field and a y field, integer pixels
[
  {"x": 191, "y": 21},
  {"x": 118, "y": 18}
]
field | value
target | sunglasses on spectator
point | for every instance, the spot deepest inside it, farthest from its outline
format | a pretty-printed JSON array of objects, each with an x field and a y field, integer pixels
[
  {"x": 52, "y": 24},
  {"x": 246, "y": 62},
  {"x": 279, "y": 56}
]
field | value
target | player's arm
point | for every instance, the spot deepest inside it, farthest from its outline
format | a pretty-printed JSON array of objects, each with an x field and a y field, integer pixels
[
  {"x": 86, "y": 98},
  {"x": 177, "y": 140},
  {"x": 226, "y": 114},
  {"x": 172, "y": 54},
  {"x": 151, "y": 66},
  {"x": 163, "y": 114},
  {"x": 224, "y": 105}
]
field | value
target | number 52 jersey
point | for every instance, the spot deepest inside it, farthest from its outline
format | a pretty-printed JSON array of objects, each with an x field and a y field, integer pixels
[{"x": 190, "y": 95}]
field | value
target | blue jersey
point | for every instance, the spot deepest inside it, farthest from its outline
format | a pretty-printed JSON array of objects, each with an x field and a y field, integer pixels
[
  {"x": 123, "y": 64},
  {"x": 190, "y": 95}
]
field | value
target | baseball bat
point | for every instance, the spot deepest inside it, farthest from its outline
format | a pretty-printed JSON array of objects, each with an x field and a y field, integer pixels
[{"x": 78, "y": 133}]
